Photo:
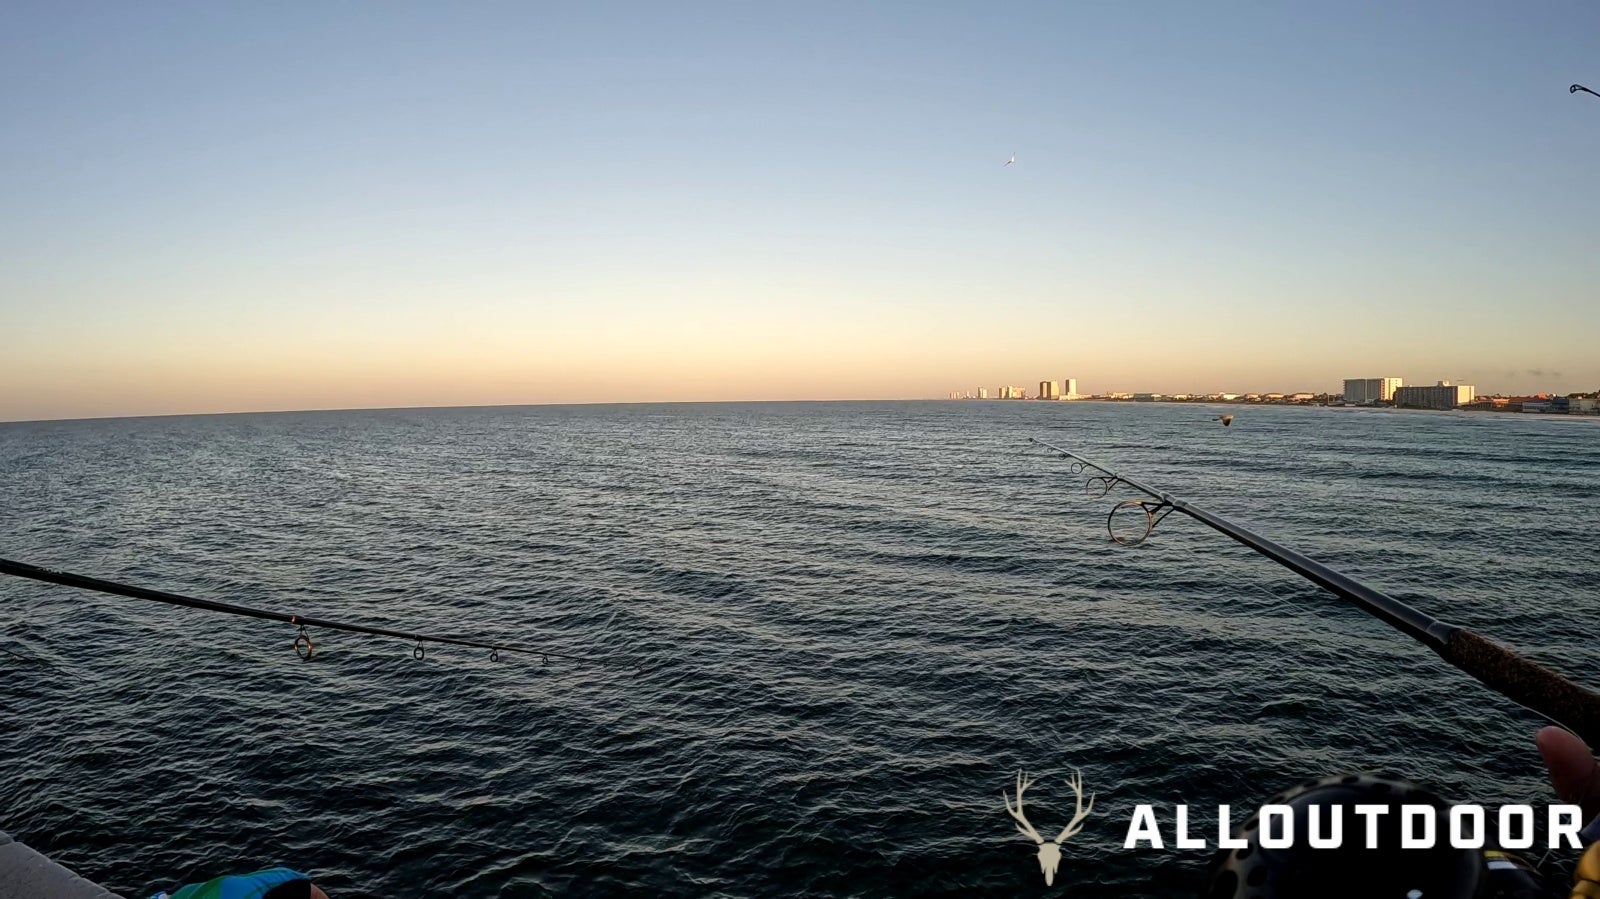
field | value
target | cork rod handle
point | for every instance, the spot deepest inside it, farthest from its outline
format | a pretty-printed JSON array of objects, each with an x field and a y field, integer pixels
[{"x": 1529, "y": 683}]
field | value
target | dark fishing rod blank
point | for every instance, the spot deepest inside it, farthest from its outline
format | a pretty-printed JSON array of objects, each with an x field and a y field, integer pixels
[
  {"x": 303, "y": 645},
  {"x": 1496, "y": 666}
]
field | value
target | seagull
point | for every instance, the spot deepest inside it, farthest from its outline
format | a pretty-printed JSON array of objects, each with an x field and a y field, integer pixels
[{"x": 1011, "y": 162}]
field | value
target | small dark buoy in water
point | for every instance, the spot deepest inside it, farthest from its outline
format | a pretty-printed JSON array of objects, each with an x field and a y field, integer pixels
[{"x": 1227, "y": 420}]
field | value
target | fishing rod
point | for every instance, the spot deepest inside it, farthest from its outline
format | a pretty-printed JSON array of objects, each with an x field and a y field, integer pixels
[
  {"x": 303, "y": 644},
  {"x": 1496, "y": 666}
]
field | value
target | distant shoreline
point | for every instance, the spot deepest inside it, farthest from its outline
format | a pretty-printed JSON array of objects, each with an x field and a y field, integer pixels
[
  {"x": 1226, "y": 404},
  {"x": 1386, "y": 410}
]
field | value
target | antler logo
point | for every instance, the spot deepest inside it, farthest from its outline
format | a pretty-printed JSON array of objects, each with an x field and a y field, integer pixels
[{"x": 1049, "y": 853}]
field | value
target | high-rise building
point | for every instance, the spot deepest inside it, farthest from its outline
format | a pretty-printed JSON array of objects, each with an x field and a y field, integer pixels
[
  {"x": 1444, "y": 395},
  {"x": 983, "y": 393},
  {"x": 1069, "y": 389},
  {"x": 1049, "y": 390},
  {"x": 1370, "y": 390}
]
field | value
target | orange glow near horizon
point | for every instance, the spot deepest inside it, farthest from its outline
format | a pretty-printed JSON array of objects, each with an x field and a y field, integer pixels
[{"x": 801, "y": 353}]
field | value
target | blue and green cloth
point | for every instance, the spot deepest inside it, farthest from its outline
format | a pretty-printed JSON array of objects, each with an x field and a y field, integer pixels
[{"x": 236, "y": 886}]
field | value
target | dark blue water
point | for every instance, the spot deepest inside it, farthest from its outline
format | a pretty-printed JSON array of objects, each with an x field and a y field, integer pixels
[{"x": 858, "y": 621}]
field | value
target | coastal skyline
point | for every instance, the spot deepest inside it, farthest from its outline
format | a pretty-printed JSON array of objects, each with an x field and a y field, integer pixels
[{"x": 238, "y": 209}]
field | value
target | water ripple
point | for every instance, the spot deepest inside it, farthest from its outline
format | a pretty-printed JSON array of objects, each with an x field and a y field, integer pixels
[{"x": 857, "y": 621}]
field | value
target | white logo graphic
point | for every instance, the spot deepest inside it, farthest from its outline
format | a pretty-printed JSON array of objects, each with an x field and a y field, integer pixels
[{"x": 1049, "y": 853}]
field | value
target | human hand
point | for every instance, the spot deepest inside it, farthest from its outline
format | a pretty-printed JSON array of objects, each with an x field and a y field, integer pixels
[{"x": 1574, "y": 771}]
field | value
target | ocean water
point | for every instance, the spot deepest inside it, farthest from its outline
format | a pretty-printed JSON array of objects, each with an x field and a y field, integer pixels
[{"x": 853, "y": 623}]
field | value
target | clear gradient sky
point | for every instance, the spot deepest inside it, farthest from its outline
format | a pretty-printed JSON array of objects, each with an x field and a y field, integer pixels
[{"x": 216, "y": 207}]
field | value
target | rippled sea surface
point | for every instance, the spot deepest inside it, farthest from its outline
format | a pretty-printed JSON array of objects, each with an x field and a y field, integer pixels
[{"x": 856, "y": 621}]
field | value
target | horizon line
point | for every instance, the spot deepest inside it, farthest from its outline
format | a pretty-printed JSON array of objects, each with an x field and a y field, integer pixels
[{"x": 24, "y": 421}]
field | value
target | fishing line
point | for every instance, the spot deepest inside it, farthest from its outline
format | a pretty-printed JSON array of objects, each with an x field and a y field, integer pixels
[
  {"x": 304, "y": 645},
  {"x": 1496, "y": 666},
  {"x": 37, "y": 661},
  {"x": 24, "y": 658},
  {"x": 1535, "y": 712}
]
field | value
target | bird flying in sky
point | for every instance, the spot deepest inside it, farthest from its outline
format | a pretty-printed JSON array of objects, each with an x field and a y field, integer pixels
[{"x": 1012, "y": 161}]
